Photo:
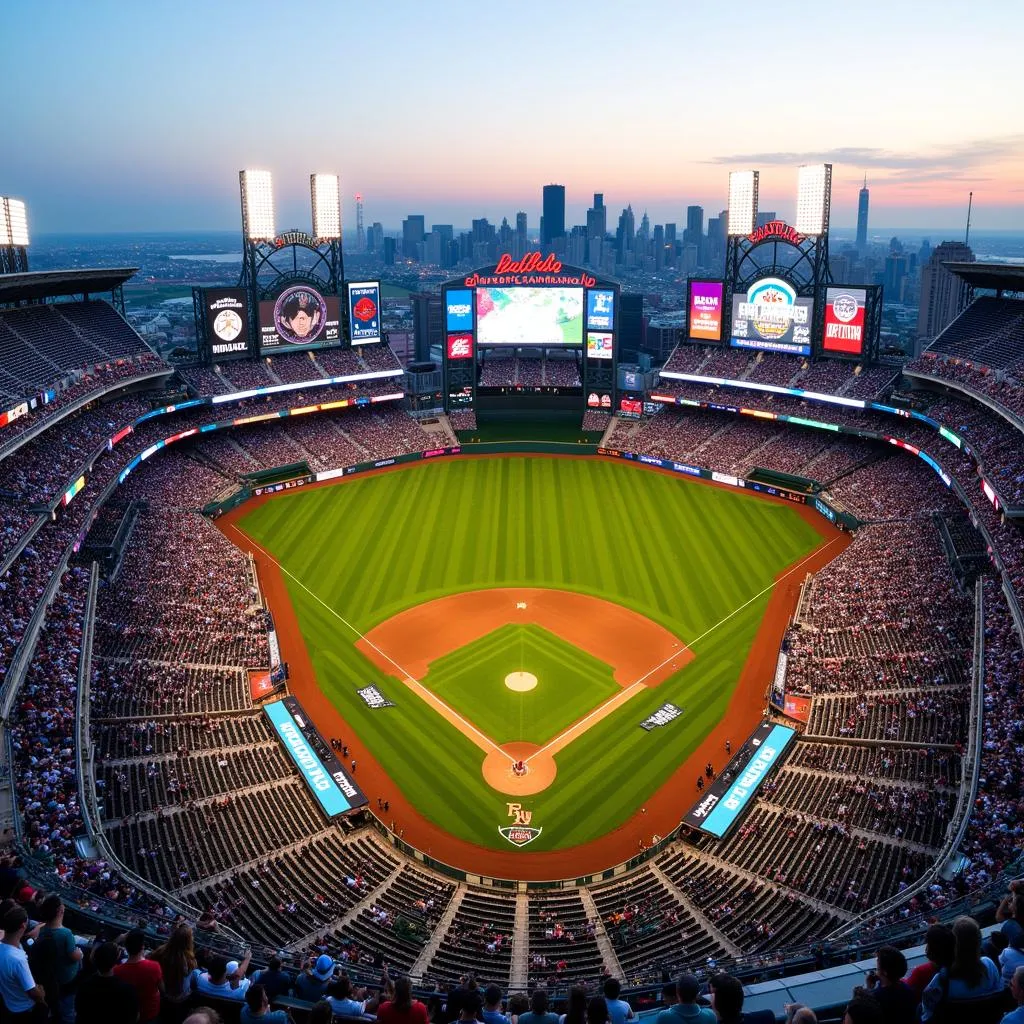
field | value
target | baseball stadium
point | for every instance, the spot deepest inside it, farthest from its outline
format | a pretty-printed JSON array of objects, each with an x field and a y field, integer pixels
[{"x": 299, "y": 655}]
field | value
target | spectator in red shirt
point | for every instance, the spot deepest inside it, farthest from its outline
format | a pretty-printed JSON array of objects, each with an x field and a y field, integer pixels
[
  {"x": 939, "y": 947},
  {"x": 403, "y": 1009},
  {"x": 145, "y": 976}
]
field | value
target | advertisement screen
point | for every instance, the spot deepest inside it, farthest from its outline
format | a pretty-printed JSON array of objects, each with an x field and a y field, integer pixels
[
  {"x": 772, "y": 317},
  {"x": 600, "y": 310},
  {"x": 227, "y": 323},
  {"x": 364, "y": 312},
  {"x": 599, "y": 401},
  {"x": 704, "y": 317},
  {"x": 299, "y": 319},
  {"x": 529, "y": 316},
  {"x": 631, "y": 407},
  {"x": 844, "y": 321},
  {"x": 599, "y": 345},
  {"x": 459, "y": 310},
  {"x": 460, "y": 346}
]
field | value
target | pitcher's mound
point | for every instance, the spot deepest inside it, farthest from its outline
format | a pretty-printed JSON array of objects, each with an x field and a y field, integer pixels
[{"x": 521, "y": 682}]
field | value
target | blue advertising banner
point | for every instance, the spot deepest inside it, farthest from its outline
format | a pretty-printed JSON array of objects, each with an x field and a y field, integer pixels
[
  {"x": 364, "y": 312},
  {"x": 327, "y": 780},
  {"x": 600, "y": 309},
  {"x": 459, "y": 309},
  {"x": 731, "y": 793}
]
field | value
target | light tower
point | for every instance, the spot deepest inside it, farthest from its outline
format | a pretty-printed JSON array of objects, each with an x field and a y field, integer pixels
[
  {"x": 13, "y": 236},
  {"x": 360, "y": 233}
]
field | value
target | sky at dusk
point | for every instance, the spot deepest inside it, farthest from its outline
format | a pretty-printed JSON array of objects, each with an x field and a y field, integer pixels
[{"x": 138, "y": 117}]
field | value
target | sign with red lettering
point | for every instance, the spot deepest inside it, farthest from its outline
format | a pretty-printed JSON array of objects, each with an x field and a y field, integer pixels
[
  {"x": 532, "y": 269},
  {"x": 775, "y": 229},
  {"x": 844, "y": 320},
  {"x": 460, "y": 346}
]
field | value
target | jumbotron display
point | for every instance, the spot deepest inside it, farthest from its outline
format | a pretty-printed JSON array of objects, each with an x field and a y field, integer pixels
[
  {"x": 299, "y": 319},
  {"x": 771, "y": 316},
  {"x": 529, "y": 316}
]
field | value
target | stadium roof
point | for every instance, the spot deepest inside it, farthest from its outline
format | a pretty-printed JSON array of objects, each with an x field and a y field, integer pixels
[
  {"x": 1004, "y": 277},
  {"x": 33, "y": 285}
]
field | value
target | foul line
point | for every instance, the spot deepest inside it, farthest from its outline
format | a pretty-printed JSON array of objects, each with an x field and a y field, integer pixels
[
  {"x": 414, "y": 684},
  {"x": 558, "y": 741}
]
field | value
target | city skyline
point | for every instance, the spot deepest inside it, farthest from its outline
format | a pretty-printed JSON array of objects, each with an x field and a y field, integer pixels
[{"x": 136, "y": 127}]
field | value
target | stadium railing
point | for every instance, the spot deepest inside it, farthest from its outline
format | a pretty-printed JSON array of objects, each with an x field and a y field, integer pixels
[
  {"x": 979, "y": 396},
  {"x": 87, "y": 802}
]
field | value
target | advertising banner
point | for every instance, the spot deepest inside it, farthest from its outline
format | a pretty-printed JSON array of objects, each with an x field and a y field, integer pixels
[
  {"x": 298, "y": 320},
  {"x": 322, "y": 772},
  {"x": 460, "y": 346},
  {"x": 600, "y": 309},
  {"x": 227, "y": 323},
  {"x": 704, "y": 310},
  {"x": 632, "y": 407},
  {"x": 844, "y": 321},
  {"x": 599, "y": 401},
  {"x": 364, "y": 312},
  {"x": 459, "y": 310},
  {"x": 730, "y": 794},
  {"x": 599, "y": 346},
  {"x": 771, "y": 316}
]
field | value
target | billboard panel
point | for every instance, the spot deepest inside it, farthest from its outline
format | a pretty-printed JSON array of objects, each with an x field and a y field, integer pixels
[
  {"x": 600, "y": 309},
  {"x": 301, "y": 318},
  {"x": 364, "y": 312},
  {"x": 227, "y": 323},
  {"x": 844, "y": 321},
  {"x": 459, "y": 310},
  {"x": 631, "y": 407},
  {"x": 770, "y": 316},
  {"x": 529, "y": 316},
  {"x": 599, "y": 345},
  {"x": 599, "y": 400},
  {"x": 704, "y": 310},
  {"x": 460, "y": 346}
]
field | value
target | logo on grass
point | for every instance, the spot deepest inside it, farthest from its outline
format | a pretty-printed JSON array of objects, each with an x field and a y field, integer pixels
[
  {"x": 374, "y": 698},
  {"x": 519, "y": 833}
]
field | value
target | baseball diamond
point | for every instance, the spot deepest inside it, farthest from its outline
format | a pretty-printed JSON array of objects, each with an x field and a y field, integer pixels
[{"x": 618, "y": 587}]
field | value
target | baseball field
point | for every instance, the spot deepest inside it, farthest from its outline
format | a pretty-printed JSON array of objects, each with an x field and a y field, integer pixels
[{"x": 525, "y": 615}]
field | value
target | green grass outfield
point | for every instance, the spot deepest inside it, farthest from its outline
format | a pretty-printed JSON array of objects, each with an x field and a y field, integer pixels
[{"x": 684, "y": 554}]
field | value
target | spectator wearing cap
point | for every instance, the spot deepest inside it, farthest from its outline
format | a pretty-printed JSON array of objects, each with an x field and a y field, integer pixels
[
  {"x": 276, "y": 981},
  {"x": 885, "y": 984},
  {"x": 257, "y": 1009},
  {"x": 145, "y": 976},
  {"x": 312, "y": 983},
  {"x": 103, "y": 998},
  {"x": 56, "y": 959},
  {"x": 619, "y": 1011},
  {"x": 347, "y": 1003},
  {"x": 687, "y": 1009},
  {"x": 222, "y": 979},
  {"x": 23, "y": 998},
  {"x": 492, "y": 1006},
  {"x": 727, "y": 1001}
]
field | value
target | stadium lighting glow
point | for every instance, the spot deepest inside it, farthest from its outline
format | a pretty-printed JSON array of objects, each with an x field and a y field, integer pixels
[
  {"x": 13, "y": 223},
  {"x": 257, "y": 205},
  {"x": 814, "y": 183},
  {"x": 742, "y": 202},
  {"x": 5, "y": 224},
  {"x": 325, "y": 195}
]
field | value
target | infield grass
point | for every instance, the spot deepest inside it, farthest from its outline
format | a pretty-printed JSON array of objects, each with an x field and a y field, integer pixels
[{"x": 697, "y": 559}]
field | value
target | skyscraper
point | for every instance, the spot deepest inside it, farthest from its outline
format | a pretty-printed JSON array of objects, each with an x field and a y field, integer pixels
[
  {"x": 413, "y": 230},
  {"x": 693, "y": 233},
  {"x": 554, "y": 214},
  {"x": 942, "y": 292},
  {"x": 862, "y": 215}
]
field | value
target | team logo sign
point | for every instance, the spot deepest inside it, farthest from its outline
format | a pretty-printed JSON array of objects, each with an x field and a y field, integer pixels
[
  {"x": 845, "y": 307},
  {"x": 520, "y": 832},
  {"x": 365, "y": 309}
]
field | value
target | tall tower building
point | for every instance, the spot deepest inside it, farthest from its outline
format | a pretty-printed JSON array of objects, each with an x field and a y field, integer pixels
[
  {"x": 942, "y": 292},
  {"x": 554, "y": 214},
  {"x": 862, "y": 215},
  {"x": 413, "y": 231}
]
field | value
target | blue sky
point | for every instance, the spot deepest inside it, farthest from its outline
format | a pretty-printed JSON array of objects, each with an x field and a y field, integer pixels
[{"x": 138, "y": 117}]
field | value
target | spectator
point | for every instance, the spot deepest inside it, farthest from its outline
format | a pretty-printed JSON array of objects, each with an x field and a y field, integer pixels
[
  {"x": 538, "y": 1012},
  {"x": 276, "y": 981},
  {"x": 799, "y": 1014},
  {"x": 938, "y": 948},
  {"x": 312, "y": 983},
  {"x": 576, "y": 1011},
  {"x": 597, "y": 1011},
  {"x": 23, "y": 998},
  {"x": 970, "y": 977},
  {"x": 886, "y": 986},
  {"x": 727, "y": 1000},
  {"x": 321, "y": 1013},
  {"x": 102, "y": 998},
  {"x": 492, "y": 1006},
  {"x": 347, "y": 1003},
  {"x": 669, "y": 995},
  {"x": 687, "y": 1009},
  {"x": 403, "y": 1009},
  {"x": 862, "y": 1010},
  {"x": 145, "y": 976},
  {"x": 257, "y": 1009},
  {"x": 1017, "y": 991},
  {"x": 177, "y": 960},
  {"x": 458, "y": 995},
  {"x": 619, "y": 1011},
  {"x": 469, "y": 1006},
  {"x": 1012, "y": 959},
  {"x": 203, "y": 1015},
  {"x": 56, "y": 960},
  {"x": 222, "y": 979},
  {"x": 1011, "y": 913}
]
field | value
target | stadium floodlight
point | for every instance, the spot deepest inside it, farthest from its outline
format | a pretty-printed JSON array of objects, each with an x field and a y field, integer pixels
[
  {"x": 325, "y": 194},
  {"x": 742, "y": 202},
  {"x": 257, "y": 205},
  {"x": 5, "y": 223},
  {"x": 814, "y": 188},
  {"x": 17, "y": 222}
]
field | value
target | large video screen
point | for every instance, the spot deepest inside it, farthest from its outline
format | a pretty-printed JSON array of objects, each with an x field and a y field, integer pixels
[
  {"x": 364, "y": 312},
  {"x": 227, "y": 323},
  {"x": 529, "y": 316},
  {"x": 704, "y": 311},
  {"x": 844, "y": 321},
  {"x": 299, "y": 319},
  {"x": 772, "y": 317}
]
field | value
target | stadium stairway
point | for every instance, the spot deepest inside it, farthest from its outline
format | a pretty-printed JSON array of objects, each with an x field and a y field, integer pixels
[
  {"x": 520, "y": 976},
  {"x": 604, "y": 944},
  {"x": 698, "y": 915},
  {"x": 419, "y": 968}
]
